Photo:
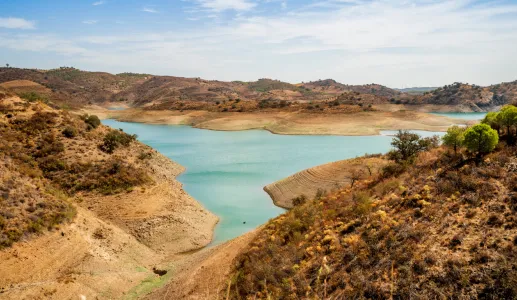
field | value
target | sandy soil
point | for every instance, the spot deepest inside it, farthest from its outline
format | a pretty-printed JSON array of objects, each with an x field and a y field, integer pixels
[
  {"x": 365, "y": 123},
  {"x": 327, "y": 177},
  {"x": 204, "y": 274}
]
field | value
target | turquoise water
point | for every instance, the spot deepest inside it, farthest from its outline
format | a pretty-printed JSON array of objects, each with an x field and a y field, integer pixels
[
  {"x": 464, "y": 116},
  {"x": 226, "y": 171},
  {"x": 116, "y": 108}
]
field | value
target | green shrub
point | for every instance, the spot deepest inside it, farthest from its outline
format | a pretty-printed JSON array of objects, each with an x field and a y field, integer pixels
[
  {"x": 33, "y": 97},
  {"x": 70, "y": 132},
  {"x": 300, "y": 200},
  {"x": 144, "y": 155},
  {"x": 114, "y": 139},
  {"x": 362, "y": 203},
  {"x": 92, "y": 121}
]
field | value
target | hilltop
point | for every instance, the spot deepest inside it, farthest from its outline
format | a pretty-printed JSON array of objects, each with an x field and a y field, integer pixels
[{"x": 72, "y": 88}]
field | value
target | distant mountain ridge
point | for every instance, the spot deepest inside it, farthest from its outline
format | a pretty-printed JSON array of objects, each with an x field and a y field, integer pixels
[{"x": 76, "y": 88}]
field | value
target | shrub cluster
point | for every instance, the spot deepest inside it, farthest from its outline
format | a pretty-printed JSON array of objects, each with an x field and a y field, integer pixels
[{"x": 116, "y": 138}]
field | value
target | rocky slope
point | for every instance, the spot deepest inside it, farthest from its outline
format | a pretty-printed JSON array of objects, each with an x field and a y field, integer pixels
[{"x": 86, "y": 210}]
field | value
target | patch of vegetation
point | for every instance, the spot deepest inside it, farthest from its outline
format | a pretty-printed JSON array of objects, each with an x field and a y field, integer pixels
[
  {"x": 33, "y": 97},
  {"x": 92, "y": 121},
  {"x": 115, "y": 139},
  {"x": 407, "y": 146},
  {"x": 69, "y": 132}
]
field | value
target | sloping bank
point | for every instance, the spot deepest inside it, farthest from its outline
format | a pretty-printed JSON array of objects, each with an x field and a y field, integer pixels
[
  {"x": 288, "y": 123},
  {"x": 118, "y": 245}
]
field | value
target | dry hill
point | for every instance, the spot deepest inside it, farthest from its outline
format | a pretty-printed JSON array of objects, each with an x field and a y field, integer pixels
[
  {"x": 442, "y": 227},
  {"x": 86, "y": 210}
]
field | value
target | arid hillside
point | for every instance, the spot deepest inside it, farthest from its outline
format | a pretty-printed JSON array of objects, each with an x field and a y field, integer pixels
[
  {"x": 441, "y": 226},
  {"x": 73, "y": 88},
  {"x": 330, "y": 86},
  {"x": 86, "y": 209},
  {"x": 475, "y": 97}
]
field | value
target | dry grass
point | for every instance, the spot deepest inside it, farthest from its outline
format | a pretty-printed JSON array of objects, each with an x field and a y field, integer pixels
[
  {"x": 441, "y": 228},
  {"x": 48, "y": 155}
]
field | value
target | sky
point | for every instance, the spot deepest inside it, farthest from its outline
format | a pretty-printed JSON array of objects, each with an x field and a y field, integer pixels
[{"x": 395, "y": 43}]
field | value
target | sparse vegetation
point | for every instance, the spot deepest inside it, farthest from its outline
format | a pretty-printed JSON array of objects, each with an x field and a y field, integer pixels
[
  {"x": 33, "y": 97},
  {"x": 434, "y": 221},
  {"x": 41, "y": 166}
]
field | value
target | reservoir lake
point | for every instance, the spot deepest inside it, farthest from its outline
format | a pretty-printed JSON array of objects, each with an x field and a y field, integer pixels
[{"x": 226, "y": 170}]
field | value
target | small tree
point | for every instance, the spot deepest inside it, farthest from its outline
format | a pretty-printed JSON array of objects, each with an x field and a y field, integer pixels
[
  {"x": 481, "y": 139},
  {"x": 408, "y": 145},
  {"x": 492, "y": 119},
  {"x": 508, "y": 118},
  {"x": 454, "y": 137},
  {"x": 354, "y": 176}
]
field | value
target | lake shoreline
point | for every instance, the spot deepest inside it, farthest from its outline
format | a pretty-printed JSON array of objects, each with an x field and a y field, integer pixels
[{"x": 288, "y": 123}]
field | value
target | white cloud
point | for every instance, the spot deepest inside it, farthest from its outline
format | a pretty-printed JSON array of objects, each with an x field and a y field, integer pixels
[
  {"x": 396, "y": 43},
  {"x": 16, "y": 23},
  {"x": 90, "y": 22},
  {"x": 41, "y": 43},
  {"x": 222, "y": 5},
  {"x": 149, "y": 10},
  {"x": 98, "y": 3}
]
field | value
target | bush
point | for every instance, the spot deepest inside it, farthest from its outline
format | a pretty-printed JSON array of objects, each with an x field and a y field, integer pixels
[
  {"x": 70, "y": 132},
  {"x": 114, "y": 139},
  {"x": 144, "y": 155},
  {"x": 408, "y": 145},
  {"x": 300, "y": 200},
  {"x": 33, "y": 97},
  {"x": 92, "y": 121}
]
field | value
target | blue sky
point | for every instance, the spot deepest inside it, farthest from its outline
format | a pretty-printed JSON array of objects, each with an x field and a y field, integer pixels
[{"x": 396, "y": 43}]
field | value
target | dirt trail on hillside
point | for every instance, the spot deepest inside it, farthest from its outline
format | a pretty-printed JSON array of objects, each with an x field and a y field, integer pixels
[
  {"x": 322, "y": 178},
  {"x": 292, "y": 123}
]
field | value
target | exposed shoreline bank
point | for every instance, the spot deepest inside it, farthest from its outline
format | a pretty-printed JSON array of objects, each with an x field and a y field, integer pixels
[{"x": 287, "y": 123}]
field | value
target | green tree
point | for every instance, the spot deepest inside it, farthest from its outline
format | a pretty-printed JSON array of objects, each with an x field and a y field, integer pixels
[
  {"x": 508, "y": 118},
  {"x": 481, "y": 139},
  {"x": 407, "y": 145},
  {"x": 492, "y": 119},
  {"x": 454, "y": 137}
]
